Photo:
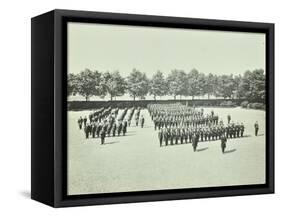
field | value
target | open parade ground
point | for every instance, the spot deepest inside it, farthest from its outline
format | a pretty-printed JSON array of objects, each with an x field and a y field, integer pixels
[{"x": 136, "y": 162}]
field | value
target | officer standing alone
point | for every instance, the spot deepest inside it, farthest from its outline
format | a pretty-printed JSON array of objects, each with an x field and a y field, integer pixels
[
  {"x": 142, "y": 121},
  {"x": 256, "y": 128},
  {"x": 228, "y": 119},
  {"x": 194, "y": 142},
  {"x": 223, "y": 143}
]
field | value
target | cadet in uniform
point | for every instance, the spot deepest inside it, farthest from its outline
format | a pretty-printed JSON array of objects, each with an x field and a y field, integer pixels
[
  {"x": 125, "y": 125},
  {"x": 182, "y": 135},
  {"x": 185, "y": 133},
  {"x": 206, "y": 134},
  {"x": 190, "y": 135},
  {"x": 172, "y": 136},
  {"x": 166, "y": 137},
  {"x": 137, "y": 120},
  {"x": 102, "y": 135},
  {"x": 119, "y": 128},
  {"x": 114, "y": 129},
  {"x": 142, "y": 121},
  {"x": 227, "y": 130},
  {"x": 194, "y": 142},
  {"x": 87, "y": 130},
  {"x": 242, "y": 129},
  {"x": 109, "y": 129},
  {"x": 94, "y": 128},
  {"x": 160, "y": 136},
  {"x": 85, "y": 121},
  {"x": 256, "y": 128},
  {"x": 201, "y": 134},
  {"x": 228, "y": 119},
  {"x": 155, "y": 123},
  {"x": 99, "y": 127},
  {"x": 80, "y": 122},
  {"x": 124, "y": 128},
  {"x": 223, "y": 143},
  {"x": 177, "y": 135},
  {"x": 209, "y": 134},
  {"x": 237, "y": 127}
]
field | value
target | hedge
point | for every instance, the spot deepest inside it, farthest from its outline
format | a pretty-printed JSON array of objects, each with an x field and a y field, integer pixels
[
  {"x": 256, "y": 105},
  {"x": 228, "y": 104},
  {"x": 244, "y": 104},
  {"x": 83, "y": 105}
]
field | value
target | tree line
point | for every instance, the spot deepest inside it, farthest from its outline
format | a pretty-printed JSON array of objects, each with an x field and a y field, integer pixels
[{"x": 88, "y": 83}]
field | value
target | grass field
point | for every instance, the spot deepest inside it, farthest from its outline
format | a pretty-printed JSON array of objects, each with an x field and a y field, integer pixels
[{"x": 135, "y": 162}]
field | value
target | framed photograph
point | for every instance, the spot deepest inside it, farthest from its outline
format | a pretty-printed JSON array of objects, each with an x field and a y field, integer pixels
[{"x": 134, "y": 108}]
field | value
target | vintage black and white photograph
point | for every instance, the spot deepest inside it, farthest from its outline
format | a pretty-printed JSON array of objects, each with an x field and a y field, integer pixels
[{"x": 157, "y": 108}]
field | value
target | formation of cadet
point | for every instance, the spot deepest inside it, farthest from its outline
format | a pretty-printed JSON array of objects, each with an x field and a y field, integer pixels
[
  {"x": 171, "y": 115},
  {"x": 181, "y": 135},
  {"x": 106, "y": 122},
  {"x": 256, "y": 128},
  {"x": 178, "y": 124}
]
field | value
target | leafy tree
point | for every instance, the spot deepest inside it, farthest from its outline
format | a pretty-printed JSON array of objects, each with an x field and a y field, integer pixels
[
  {"x": 253, "y": 85},
  {"x": 72, "y": 84},
  {"x": 113, "y": 84},
  {"x": 259, "y": 85},
  {"x": 195, "y": 83},
  {"x": 137, "y": 84},
  {"x": 177, "y": 83},
  {"x": 202, "y": 83},
  {"x": 237, "y": 82},
  {"x": 210, "y": 85},
  {"x": 158, "y": 85},
  {"x": 89, "y": 83},
  {"x": 225, "y": 86}
]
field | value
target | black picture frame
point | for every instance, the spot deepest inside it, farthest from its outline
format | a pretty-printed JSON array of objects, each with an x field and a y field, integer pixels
[{"x": 48, "y": 74}]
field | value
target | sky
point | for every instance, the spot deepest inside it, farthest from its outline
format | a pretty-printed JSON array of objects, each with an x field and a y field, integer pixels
[{"x": 107, "y": 47}]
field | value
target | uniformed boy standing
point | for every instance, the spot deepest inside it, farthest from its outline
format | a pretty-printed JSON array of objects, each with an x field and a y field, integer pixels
[
  {"x": 87, "y": 130},
  {"x": 85, "y": 121},
  {"x": 242, "y": 129},
  {"x": 99, "y": 127},
  {"x": 160, "y": 137},
  {"x": 80, "y": 122},
  {"x": 124, "y": 128},
  {"x": 94, "y": 128},
  {"x": 166, "y": 137},
  {"x": 114, "y": 129},
  {"x": 194, "y": 142},
  {"x": 102, "y": 135},
  {"x": 256, "y": 128},
  {"x": 142, "y": 121},
  {"x": 228, "y": 119},
  {"x": 223, "y": 143},
  {"x": 120, "y": 126}
]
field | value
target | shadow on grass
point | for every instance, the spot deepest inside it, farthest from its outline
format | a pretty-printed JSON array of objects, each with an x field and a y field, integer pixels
[
  {"x": 230, "y": 151},
  {"x": 202, "y": 149},
  {"x": 128, "y": 134},
  {"x": 109, "y": 143},
  {"x": 146, "y": 127}
]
